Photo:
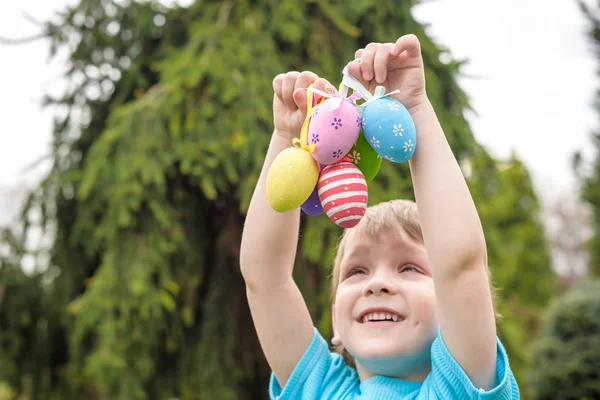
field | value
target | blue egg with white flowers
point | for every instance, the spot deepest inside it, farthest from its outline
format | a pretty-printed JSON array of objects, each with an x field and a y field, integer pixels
[{"x": 389, "y": 129}]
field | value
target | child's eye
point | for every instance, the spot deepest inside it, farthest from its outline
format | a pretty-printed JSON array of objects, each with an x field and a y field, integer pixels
[
  {"x": 409, "y": 267},
  {"x": 355, "y": 271}
]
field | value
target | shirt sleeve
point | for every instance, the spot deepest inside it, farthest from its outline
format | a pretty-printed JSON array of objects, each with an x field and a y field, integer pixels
[
  {"x": 452, "y": 382},
  {"x": 318, "y": 374}
]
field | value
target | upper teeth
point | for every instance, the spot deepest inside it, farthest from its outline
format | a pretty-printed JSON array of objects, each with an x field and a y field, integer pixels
[{"x": 374, "y": 316}]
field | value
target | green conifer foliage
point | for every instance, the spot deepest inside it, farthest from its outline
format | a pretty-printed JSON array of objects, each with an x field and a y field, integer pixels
[{"x": 567, "y": 356}]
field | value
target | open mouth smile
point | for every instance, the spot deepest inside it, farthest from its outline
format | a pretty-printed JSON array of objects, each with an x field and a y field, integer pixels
[{"x": 379, "y": 316}]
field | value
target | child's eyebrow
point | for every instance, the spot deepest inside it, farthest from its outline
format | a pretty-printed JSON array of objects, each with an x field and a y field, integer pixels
[
  {"x": 408, "y": 251},
  {"x": 355, "y": 252}
]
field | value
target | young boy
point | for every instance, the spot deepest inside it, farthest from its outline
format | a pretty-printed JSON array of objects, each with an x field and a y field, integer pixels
[{"x": 412, "y": 302}]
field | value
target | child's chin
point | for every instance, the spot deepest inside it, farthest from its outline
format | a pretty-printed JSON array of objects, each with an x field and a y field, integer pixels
[{"x": 382, "y": 349}]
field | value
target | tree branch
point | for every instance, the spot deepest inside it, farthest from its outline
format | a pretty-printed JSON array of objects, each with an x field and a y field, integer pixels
[
  {"x": 18, "y": 41},
  {"x": 33, "y": 20}
]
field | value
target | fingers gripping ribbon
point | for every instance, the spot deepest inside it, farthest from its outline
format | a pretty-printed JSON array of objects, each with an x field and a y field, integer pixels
[{"x": 351, "y": 82}]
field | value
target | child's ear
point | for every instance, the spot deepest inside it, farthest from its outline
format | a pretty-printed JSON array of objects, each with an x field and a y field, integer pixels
[{"x": 335, "y": 340}]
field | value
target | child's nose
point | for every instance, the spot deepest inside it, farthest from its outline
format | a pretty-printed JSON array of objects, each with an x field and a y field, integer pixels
[{"x": 378, "y": 287}]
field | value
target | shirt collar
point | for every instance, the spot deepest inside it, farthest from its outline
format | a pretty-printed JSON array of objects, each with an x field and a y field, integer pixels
[{"x": 385, "y": 387}]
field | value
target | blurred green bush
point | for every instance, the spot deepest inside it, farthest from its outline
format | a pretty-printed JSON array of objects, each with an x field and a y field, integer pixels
[{"x": 566, "y": 359}]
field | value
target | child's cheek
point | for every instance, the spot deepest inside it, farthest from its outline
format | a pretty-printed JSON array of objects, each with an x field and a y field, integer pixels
[
  {"x": 428, "y": 305},
  {"x": 342, "y": 306}
]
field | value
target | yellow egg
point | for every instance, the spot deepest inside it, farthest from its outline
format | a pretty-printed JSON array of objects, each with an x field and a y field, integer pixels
[{"x": 291, "y": 179}]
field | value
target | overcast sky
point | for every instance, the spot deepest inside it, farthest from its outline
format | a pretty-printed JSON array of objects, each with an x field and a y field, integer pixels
[
  {"x": 531, "y": 79},
  {"x": 535, "y": 78}
]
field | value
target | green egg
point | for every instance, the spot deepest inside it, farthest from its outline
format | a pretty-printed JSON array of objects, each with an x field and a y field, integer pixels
[{"x": 364, "y": 157}]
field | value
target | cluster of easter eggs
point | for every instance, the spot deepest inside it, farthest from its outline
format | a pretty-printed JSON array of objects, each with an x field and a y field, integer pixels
[{"x": 339, "y": 153}]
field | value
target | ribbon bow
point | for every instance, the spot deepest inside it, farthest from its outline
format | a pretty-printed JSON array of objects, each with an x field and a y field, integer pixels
[
  {"x": 303, "y": 145},
  {"x": 353, "y": 83},
  {"x": 331, "y": 93}
]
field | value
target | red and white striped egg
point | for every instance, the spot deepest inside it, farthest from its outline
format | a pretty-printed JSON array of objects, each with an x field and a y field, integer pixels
[{"x": 343, "y": 193}]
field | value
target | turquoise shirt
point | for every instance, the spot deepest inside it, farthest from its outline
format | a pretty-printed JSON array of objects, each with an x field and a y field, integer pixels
[{"x": 322, "y": 374}]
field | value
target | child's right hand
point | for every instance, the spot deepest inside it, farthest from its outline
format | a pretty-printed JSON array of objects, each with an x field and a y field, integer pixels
[
  {"x": 396, "y": 66},
  {"x": 289, "y": 101}
]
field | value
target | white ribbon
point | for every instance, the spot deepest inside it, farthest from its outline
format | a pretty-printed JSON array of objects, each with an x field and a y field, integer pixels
[
  {"x": 336, "y": 96},
  {"x": 353, "y": 83}
]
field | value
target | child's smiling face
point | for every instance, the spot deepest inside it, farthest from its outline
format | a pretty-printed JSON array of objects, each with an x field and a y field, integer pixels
[{"x": 384, "y": 278}]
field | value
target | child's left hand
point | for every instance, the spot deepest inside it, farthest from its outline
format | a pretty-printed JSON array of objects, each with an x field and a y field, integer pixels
[{"x": 393, "y": 65}]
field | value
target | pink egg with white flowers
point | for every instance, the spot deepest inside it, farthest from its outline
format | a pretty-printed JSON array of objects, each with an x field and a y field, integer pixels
[
  {"x": 343, "y": 193},
  {"x": 333, "y": 129}
]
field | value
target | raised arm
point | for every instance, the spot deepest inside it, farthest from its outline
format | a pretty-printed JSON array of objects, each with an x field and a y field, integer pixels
[
  {"x": 457, "y": 252},
  {"x": 269, "y": 243},
  {"x": 452, "y": 231}
]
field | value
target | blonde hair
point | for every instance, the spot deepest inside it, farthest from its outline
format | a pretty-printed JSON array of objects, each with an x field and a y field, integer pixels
[{"x": 387, "y": 218}]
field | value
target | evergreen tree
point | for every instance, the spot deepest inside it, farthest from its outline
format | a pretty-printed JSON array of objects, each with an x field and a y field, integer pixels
[
  {"x": 164, "y": 130},
  {"x": 567, "y": 356}
]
